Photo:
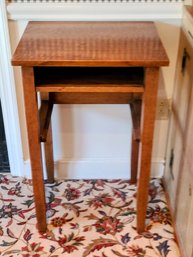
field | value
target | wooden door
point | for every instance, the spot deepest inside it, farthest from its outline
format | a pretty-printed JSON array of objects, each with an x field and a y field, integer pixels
[
  {"x": 179, "y": 169},
  {"x": 179, "y": 118}
]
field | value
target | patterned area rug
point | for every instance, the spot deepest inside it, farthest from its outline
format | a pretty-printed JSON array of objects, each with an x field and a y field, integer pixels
[{"x": 94, "y": 218}]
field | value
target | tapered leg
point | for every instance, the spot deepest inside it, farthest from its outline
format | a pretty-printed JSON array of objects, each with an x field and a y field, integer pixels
[
  {"x": 147, "y": 129},
  {"x": 45, "y": 113},
  {"x": 136, "y": 117},
  {"x": 34, "y": 146},
  {"x": 49, "y": 156},
  {"x": 134, "y": 159}
]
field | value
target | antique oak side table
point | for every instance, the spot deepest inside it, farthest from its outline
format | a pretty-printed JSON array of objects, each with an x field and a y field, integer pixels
[{"x": 90, "y": 62}]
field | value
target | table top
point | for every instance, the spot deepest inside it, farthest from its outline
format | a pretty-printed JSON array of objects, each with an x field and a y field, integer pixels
[{"x": 90, "y": 44}]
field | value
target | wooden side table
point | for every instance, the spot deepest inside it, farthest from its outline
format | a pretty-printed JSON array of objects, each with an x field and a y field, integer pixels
[{"x": 90, "y": 62}]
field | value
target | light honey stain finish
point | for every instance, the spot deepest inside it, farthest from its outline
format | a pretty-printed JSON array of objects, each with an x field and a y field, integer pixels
[{"x": 90, "y": 62}]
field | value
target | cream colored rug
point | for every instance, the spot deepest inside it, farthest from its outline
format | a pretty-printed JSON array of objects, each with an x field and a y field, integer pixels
[{"x": 94, "y": 218}]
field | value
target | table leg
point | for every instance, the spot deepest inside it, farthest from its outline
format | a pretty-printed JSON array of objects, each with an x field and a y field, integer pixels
[
  {"x": 34, "y": 146},
  {"x": 147, "y": 129},
  {"x": 134, "y": 159},
  {"x": 49, "y": 156},
  {"x": 136, "y": 137}
]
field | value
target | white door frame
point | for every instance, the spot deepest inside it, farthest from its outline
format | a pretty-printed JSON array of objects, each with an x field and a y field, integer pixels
[{"x": 9, "y": 99}]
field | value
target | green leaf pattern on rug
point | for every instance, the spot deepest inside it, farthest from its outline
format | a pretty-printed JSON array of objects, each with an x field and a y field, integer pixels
[{"x": 98, "y": 244}]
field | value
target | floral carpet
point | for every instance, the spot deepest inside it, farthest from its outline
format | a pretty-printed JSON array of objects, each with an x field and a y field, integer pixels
[{"x": 94, "y": 218}]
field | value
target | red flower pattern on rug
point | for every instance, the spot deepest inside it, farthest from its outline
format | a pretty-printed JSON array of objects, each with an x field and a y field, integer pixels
[{"x": 86, "y": 218}]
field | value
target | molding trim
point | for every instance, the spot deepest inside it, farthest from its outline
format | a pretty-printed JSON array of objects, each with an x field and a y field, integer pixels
[
  {"x": 101, "y": 11},
  {"x": 93, "y": 168},
  {"x": 93, "y": 1},
  {"x": 8, "y": 98}
]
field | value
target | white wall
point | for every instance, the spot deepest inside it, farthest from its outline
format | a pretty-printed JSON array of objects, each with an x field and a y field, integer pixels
[
  {"x": 9, "y": 99},
  {"x": 94, "y": 140}
]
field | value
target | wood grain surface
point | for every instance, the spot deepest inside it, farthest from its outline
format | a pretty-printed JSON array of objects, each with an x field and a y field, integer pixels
[
  {"x": 90, "y": 44},
  {"x": 147, "y": 129},
  {"x": 91, "y": 62},
  {"x": 32, "y": 119}
]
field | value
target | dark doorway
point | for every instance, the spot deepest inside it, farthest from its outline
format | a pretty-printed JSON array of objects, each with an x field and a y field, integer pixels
[{"x": 4, "y": 160}]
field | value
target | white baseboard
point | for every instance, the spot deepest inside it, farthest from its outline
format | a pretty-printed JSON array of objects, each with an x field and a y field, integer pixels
[
  {"x": 107, "y": 168},
  {"x": 157, "y": 167},
  {"x": 95, "y": 168}
]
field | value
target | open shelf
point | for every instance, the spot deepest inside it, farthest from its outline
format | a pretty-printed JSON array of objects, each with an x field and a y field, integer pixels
[{"x": 89, "y": 79}]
